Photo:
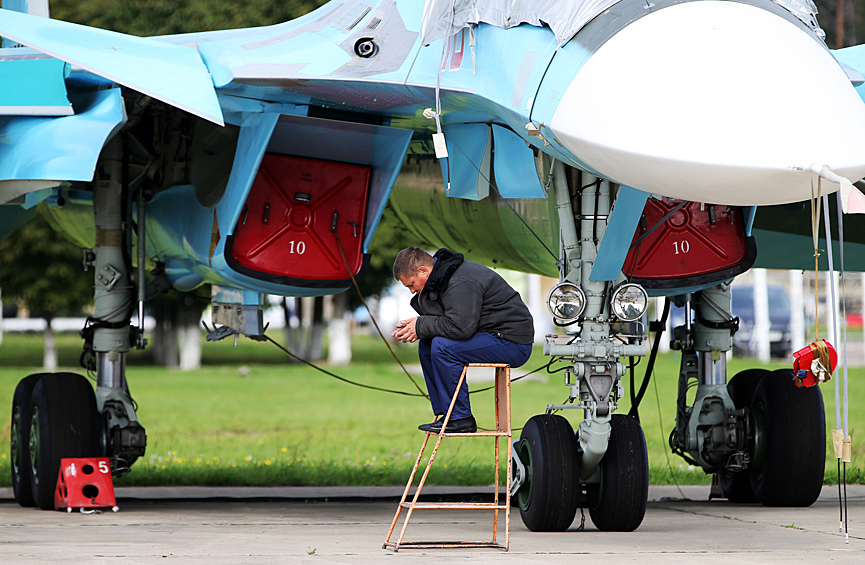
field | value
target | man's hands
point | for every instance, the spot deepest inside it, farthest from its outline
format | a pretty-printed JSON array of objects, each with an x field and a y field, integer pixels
[{"x": 405, "y": 330}]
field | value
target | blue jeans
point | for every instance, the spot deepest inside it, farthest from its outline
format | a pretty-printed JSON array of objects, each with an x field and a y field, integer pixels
[{"x": 443, "y": 360}]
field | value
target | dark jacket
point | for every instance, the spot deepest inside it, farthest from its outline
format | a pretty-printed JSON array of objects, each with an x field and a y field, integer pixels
[{"x": 461, "y": 298}]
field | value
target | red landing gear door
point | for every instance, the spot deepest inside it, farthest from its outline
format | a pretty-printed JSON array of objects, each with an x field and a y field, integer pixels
[
  {"x": 697, "y": 244},
  {"x": 296, "y": 210}
]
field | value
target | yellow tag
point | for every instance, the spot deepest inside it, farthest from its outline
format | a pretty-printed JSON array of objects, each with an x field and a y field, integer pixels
[
  {"x": 845, "y": 454},
  {"x": 837, "y": 442}
]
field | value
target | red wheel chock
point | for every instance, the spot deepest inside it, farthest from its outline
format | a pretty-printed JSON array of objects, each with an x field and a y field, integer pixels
[{"x": 85, "y": 483}]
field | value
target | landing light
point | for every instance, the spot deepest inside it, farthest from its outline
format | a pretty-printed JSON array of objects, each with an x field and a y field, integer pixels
[
  {"x": 566, "y": 302},
  {"x": 629, "y": 302}
]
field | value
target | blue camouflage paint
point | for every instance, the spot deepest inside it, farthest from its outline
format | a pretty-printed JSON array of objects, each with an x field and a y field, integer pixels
[
  {"x": 34, "y": 87},
  {"x": 467, "y": 166},
  {"x": 619, "y": 234},
  {"x": 854, "y": 58},
  {"x": 74, "y": 142},
  {"x": 171, "y": 73},
  {"x": 516, "y": 173}
]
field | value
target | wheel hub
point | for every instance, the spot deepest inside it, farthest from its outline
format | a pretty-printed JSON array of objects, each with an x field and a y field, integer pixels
[
  {"x": 524, "y": 494},
  {"x": 15, "y": 442},
  {"x": 759, "y": 446},
  {"x": 34, "y": 446}
]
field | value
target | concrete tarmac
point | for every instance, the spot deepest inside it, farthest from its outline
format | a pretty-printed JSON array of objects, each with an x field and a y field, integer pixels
[{"x": 348, "y": 525}]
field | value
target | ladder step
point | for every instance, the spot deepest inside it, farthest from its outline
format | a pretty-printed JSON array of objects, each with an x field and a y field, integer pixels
[
  {"x": 456, "y": 505},
  {"x": 441, "y": 544},
  {"x": 475, "y": 434}
]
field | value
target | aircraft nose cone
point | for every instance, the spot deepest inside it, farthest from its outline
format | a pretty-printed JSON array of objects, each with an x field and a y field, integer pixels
[{"x": 714, "y": 102}]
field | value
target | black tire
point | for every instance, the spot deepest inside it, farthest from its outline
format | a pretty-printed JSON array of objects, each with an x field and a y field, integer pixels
[
  {"x": 790, "y": 441},
  {"x": 737, "y": 486},
  {"x": 618, "y": 502},
  {"x": 548, "y": 449},
  {"x": 19, "y": 440},
  {"x": 63, "y": 423}
]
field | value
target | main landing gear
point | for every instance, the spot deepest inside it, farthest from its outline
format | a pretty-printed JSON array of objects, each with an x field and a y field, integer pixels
[
  {"x": 764, "y": 438},
  {"x": 58, "y": 415}
]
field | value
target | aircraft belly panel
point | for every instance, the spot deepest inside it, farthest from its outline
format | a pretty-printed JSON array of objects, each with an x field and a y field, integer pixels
[
  {"x": 488, "y": 231},
  {"x": 295, "y": 212}
]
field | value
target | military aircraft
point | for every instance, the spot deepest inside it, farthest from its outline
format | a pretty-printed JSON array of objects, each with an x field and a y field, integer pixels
[{"x": 627, "y": 147}]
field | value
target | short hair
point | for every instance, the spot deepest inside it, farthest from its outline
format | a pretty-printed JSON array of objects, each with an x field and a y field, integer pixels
[{"x": 409, "y": 260}]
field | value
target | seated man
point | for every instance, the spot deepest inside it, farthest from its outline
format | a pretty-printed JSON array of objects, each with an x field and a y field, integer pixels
[{"x": 468, "y": 314}]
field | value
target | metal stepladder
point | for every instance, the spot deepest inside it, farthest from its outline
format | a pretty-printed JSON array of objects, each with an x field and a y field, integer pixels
[{"x": 503, "y": 430}]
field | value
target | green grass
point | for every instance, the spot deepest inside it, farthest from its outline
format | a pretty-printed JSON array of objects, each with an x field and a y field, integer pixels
[{"x": 249, "y": 417}]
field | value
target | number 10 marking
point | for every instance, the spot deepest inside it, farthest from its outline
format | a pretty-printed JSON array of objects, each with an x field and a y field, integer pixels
[
  {"x": 684, "y": 246},
  {"x": 300, "y": 249}
]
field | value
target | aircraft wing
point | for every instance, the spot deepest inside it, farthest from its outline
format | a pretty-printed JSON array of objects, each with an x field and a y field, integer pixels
[{"x": 171, "y": 73}]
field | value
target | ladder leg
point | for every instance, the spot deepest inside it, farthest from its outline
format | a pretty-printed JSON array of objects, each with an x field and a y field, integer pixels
[
  {"x": 405, "y": 492},
  {"x": 496, "y": 493},
  {"x": 508, "y": 494},
  {"x": 454, "y": 400},
  {"x": 506, "y": 408},
  {"x": 432, "y": 456},
  {"x": 419, "y": 487}
]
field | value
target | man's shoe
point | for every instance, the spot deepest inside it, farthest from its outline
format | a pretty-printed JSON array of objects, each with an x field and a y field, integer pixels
[
  {"x": 458, "y": 426},
  {"x": 434, "y": 427}
]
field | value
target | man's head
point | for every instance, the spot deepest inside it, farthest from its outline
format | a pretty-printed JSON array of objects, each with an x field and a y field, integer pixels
[{"x": 412, "y": 268}]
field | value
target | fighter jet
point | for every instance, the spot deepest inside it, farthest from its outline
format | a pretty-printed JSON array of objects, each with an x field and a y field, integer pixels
[{"x": 629, "y": 148}]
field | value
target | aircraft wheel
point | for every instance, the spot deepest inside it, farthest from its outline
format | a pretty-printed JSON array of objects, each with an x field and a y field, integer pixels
[
  {"x": 790, "y": 441},
  {"x": 618, "y": 502},
  {"x": 548, "y": 498},
  {"x": 737, "y": 486},
  {"x": 63, "y": 423},
  {"x": 19, "y": 439}
]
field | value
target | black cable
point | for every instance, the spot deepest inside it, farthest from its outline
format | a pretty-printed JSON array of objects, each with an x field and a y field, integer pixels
[
  {"x": 541, "y": 82},
  {"x": 732, "y": 324},
  {"x": 840, "y": 498},
  {"x": 508, "y": 204},
  {"x": 517, "y": 214},
  {"x": 605, "y": 297},
  {"x": 661, "y": 426},
  {"x": 596, "y": 182},
  {"x": 676, "y": 451},
  {"x": 372, "y": 318},
  {"x": 566, "y": 324},
  {"x": 659, "y": 330},
  {"x": 559, "y": 370},
  {"x": 846, "y": 531},
  {"x": 660, "y": 222},
  {"x": 595, "y": 217},
  {"x": 343, "y": 379},
  {"x": 347, "y": 381},
  {"x": 512, "y": 380},
  {"x": 632, "y": 389}
]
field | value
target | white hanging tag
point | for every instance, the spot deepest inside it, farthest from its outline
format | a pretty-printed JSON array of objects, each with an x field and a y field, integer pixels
[{"x": 440, "y": 145}]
